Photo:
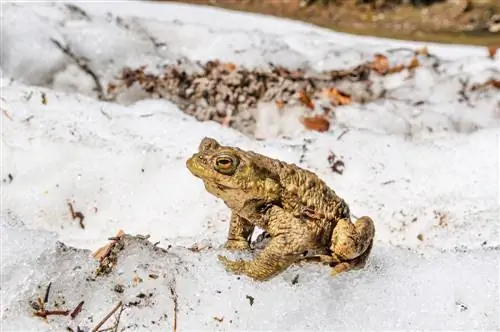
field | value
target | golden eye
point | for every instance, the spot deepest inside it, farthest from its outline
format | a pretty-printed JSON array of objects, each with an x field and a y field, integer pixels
[{"x": 226, "y": 164}]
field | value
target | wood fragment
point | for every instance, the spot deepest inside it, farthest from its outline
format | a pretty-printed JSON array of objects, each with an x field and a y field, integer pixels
[
  {"x": 77, "y": 310},
  {"x": 47, "y": 292},
  {"x": 104, "y": 320},
  {"x": 176, "y": 304},
  {"x": 76, "y": 215},
  {"x": 7, "y": 115},
  {"x": 45, "y": 313}
]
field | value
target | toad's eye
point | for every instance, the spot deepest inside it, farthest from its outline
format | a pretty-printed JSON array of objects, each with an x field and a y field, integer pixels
[{"x": 226, "y": 164}]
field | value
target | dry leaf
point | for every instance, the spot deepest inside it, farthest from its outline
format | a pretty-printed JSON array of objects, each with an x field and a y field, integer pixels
[
  {"x": 492, "y": 51},
  {"x": 337, "y": 97},
  {"x": 380, "y": 65},
  {"x": 101, "y": 251},
  {"x": 229, "y": 66},
  {"x": 318, "y": 123},
  {"x": 494, "y": 83},
  {"x": 305, "y": 100}
]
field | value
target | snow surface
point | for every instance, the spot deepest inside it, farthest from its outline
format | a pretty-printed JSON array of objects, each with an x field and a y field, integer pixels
[{"x": 123, "y": 167}]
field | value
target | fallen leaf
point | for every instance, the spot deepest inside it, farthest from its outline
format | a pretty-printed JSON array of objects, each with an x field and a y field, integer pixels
[
  {"x": 380, "y": 65},
  {"x": 305, "y": 100},
  {"x": 101, "y": 251},
  {"x": 318, "y": 123},
  {"x": 229, "y": 66},
  {"x": 337, "y": 97},
  {"x": 494, "y": 83}
]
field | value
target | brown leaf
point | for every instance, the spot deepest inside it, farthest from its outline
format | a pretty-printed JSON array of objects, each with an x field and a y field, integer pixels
[
  {"x": 229, "y": 66},
  {"x": 492, "y": 51},
  {"x": 305, "y": 100},
  {"x": 494, "y": 83},
  {"x": 380, "y": 65},
  {"x": 99, "y": 253},
  {"x": 318, "y": 123},
  {"x": 337, "y": 97}
]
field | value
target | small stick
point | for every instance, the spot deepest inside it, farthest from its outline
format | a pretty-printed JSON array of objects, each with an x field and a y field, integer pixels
[
  {"x": 77, "y": 310},
  {"x": 342, "y": 134},
  {"x": 107, "y": 317},
  {"x": 174, "y": 298},
  {"x": 7, "y": 115},
  {"x": 76, "y": 215},
  {"x": 45, "y": 313},
  {"x": 47, "y": 291}
]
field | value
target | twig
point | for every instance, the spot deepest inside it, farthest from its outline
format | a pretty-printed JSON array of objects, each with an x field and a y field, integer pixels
[
  {"x": 106, "y": 114},
  {"x": 78, "y": 10},
  {"x": 7, "y": 115},
  {"x": 76, "y": 215},
  {"x": 77, "y": 310},
  {"x": 342, "y": 134},
  {"x": 95, "y": 329},
  {"x": 45, "y": 313},
  {"x": 83, "y": 65},
  {"x": 176, "y": 305},
  {"x": 47, "y": 292},
  {"x": 114, "y": 328}
]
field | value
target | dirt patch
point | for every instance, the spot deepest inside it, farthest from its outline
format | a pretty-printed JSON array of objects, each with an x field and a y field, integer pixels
[{"x": 461, "y": 21}]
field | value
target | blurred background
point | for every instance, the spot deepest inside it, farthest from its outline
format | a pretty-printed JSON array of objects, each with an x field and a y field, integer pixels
[{"x": 475, "y": 22}]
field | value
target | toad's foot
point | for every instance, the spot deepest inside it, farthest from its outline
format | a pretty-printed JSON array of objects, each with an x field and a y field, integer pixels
[
  {"x": 236, "y": 267},
  {"x": 237, "y": 245},
  {"x": 290, "y": 238},
  {"x": 352, "y": 244}
]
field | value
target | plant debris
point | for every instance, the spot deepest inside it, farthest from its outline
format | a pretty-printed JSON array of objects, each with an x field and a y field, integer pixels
[
  {"x": 77, "y": 310},
  {"x": 221, "y": 92},
  {"x": 77, "y": 215},
  {"x": 108, "y": 255},
  {"x": 317, "y": 122},
  {"x": 101, "y": 323},
  {"x": 336, "y": 165},
  {"x": 251, "y": 299}
]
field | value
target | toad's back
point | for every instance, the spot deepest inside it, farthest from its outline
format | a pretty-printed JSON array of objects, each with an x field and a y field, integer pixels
[{"x": 303, "y": 189}]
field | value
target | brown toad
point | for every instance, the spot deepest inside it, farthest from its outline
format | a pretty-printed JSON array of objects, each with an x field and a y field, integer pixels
[{"x": 299, "y": 211}]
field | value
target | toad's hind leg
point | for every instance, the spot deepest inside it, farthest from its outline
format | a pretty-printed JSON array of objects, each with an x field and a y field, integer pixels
[
  {"x": 290, "y": 238},
  {"x": 352, "y": 244}
]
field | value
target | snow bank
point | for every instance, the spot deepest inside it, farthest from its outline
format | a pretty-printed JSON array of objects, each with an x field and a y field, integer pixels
[{"x": 432, "y": 193}]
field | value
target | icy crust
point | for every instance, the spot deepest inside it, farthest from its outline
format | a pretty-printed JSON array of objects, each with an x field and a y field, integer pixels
[{"x": 399, "y": 289}]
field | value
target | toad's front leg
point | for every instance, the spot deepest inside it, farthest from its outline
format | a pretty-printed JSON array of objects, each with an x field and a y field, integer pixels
[
  {"x": 290, "y": 239},
  {"x": 240, "y": 233}
]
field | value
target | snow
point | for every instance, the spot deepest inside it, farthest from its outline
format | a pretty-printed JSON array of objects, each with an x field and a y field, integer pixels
[{"x": 123, "y": 167}]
